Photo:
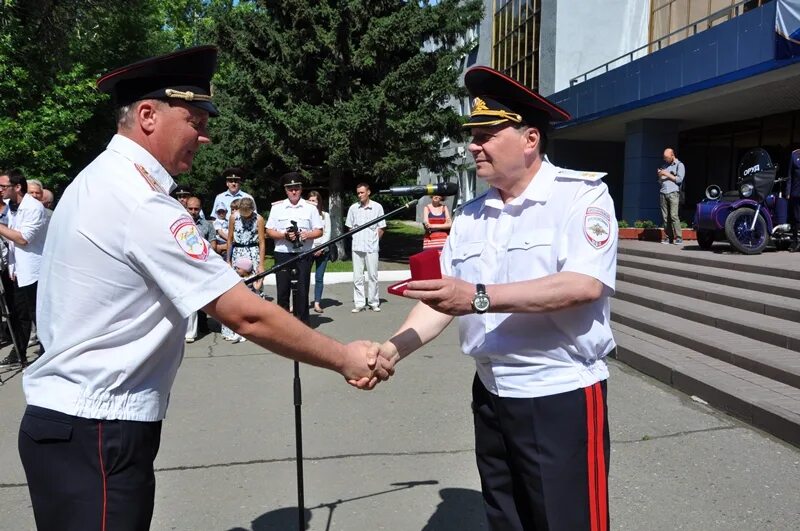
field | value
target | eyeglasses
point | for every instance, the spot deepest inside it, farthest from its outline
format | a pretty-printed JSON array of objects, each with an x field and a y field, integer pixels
[
  {"x": 234, "y": 180},
  {"x": 192, "y": 209},
  {"x": 4, "y": 186},
  {"x": 293, "y": 188}
]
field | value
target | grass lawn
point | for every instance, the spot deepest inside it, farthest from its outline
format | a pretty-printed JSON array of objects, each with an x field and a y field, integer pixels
[{"x": 401, "y": 240}]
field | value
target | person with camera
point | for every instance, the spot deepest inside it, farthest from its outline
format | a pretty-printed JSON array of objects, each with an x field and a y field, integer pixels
[
  {"x": 670, "y": 178},
  {"x": 294, "y": 224}
]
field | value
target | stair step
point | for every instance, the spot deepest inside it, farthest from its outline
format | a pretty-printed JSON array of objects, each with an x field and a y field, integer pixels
[
  {"x": 755, "y": 301},
  {"x": 781, "y": 264},
  {"x": 770, "y": 361},
  {"x": 785, "y": 287},
  {"x": 772, "y": 330},
  {"x": 764, "y": 403}
]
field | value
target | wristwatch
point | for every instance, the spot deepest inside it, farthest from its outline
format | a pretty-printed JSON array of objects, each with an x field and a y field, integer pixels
[{"x": 480, "y": 303}]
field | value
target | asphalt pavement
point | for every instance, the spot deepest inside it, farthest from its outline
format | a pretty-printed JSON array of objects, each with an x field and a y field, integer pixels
[{"x": 401, "y": 457}]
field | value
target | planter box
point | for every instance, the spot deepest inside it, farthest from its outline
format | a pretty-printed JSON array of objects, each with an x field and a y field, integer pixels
[{"x": 651, "y": 235}]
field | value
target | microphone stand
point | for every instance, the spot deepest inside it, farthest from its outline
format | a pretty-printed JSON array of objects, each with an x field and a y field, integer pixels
[{"x": 294, "y": 272}]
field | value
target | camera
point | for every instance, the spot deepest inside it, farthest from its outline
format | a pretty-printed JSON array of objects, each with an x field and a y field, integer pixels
[{"x": 296, "y": 243}]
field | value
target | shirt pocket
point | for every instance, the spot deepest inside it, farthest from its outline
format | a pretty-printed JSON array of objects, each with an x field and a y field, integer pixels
[
  {"x": 530, "y": 255},
  {"x": 465, "y": 261},
  {"x": 45, "y": 430}
]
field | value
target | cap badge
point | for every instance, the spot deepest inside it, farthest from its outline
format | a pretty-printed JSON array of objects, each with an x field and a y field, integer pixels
[{"x": 478, "y": 105}]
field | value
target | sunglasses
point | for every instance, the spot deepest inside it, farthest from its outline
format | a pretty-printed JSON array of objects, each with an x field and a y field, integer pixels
[{"x": 234, "y": 180}]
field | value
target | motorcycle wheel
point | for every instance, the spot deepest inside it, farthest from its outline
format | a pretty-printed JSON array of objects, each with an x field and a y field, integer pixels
[
  {"x": 705, "y": 239},
  {"x": 744, "y": 240}
]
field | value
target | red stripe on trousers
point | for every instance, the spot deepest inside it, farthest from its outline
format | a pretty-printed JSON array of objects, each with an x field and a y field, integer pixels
[
  {"x": 596, "y": 459},
  {"x": 102, "y": 472},
  {"x": 591, "y": 465}
]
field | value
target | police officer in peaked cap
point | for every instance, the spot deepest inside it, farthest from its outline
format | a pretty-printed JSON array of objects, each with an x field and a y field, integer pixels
[
  {"x": 114, "y": 298},
  {"x": 285, "y": 215},
  {"x": 528, "y": 269}
]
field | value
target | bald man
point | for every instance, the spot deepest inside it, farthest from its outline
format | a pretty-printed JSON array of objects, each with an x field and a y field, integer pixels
[{"x": 670, "y": 177}]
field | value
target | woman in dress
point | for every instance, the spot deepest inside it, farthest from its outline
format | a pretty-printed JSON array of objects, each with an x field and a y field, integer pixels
[
  {"x": 247, "y": 237},
  {"x": 437, "y": 222},
  {"x": 322, "y": 256}
]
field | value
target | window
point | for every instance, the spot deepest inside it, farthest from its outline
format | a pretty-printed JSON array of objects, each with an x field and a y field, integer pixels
[
  {"x": 515, "y": 40},
  {"x": 675, "y": 20}
]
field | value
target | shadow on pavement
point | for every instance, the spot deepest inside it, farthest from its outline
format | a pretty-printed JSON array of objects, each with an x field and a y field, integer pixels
[
  {"x": 459, "y": 510},
  {"x": 284, "y": 519}
]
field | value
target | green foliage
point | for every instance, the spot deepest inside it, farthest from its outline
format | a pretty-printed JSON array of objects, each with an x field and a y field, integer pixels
[
  {"x": 644, "y": 224},
  {"x": 52, "y": 120},
  {"x": 344, "y": 91},
  {"x": 622, "y": 224}
]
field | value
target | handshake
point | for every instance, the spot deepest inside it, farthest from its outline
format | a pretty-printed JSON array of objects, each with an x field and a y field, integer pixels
[{"x": 367, "y": 363}]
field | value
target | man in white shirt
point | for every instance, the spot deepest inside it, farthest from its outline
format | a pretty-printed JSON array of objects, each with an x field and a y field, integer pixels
[
  {"x": 286, "y": 216},
  {"x": 365, "y": 247},
  {"x": 115, "y": 298},
  {"x": 529, "y": 268},
  {"x": 25, "y": 233},
  {"x": 233, "y": 180}
]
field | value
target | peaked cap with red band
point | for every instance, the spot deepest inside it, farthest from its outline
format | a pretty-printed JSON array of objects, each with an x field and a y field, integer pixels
[
  {"x": 498, "y": 99},
  {"x": 183, "y": 75}
]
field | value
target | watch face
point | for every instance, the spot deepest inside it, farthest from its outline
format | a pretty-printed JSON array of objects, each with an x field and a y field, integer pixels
[{"x": 481, "y": 302}]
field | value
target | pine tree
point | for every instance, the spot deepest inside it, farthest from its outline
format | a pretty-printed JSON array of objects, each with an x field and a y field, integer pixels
[{"x": 344, "y": 91}]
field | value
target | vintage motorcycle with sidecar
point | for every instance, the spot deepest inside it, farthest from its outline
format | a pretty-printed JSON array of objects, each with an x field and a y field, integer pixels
[{"x": 749, "y": 217}]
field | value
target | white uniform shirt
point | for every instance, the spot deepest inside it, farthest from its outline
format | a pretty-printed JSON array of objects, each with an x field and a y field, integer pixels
[
  {"x": 367, "y": 240},
  {"x": 281, "y": 216},
  {"x": 226, "y": 198},
  {"x": 563, "y": 221},
  {"x": 123, "y": 268},
  {"x": 31, "y": 221}
]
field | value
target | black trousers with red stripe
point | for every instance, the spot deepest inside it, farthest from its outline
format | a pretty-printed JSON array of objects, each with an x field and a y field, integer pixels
[
  {"x": 543, "y": 461},
  {"x": 86, "y": 474}
]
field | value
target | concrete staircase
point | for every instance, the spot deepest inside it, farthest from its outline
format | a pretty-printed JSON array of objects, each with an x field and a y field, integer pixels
[{"x": 718, "y": 327}]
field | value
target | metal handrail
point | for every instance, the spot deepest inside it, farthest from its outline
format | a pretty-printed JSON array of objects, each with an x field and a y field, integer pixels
[{"x": 710, "y": 18}]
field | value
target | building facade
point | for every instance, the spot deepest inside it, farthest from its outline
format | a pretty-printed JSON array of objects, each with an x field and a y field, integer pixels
[{"x": 709, "y": 78}]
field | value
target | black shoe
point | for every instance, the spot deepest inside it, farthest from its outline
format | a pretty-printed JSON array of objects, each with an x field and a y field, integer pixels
[
  {"x": 794, "y": 248},
  {"x": 12, "y": 360}
]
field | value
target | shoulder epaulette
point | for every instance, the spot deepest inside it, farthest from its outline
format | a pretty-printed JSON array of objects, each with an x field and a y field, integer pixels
[
  {"x": 277, "y": 202},
  {"x": 590, "y": 176},
  {"x": 461, "y": 207}
]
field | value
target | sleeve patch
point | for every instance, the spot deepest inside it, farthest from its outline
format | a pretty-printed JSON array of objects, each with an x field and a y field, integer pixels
[
  {"x": 597, "y": 227},
  {"x": 185, "y": 232}
]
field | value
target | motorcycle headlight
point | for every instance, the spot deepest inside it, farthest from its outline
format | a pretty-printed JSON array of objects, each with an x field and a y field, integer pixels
[{"x": 746, "y": 189}]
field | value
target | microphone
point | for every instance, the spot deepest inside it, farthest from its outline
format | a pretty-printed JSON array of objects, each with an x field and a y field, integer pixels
[{"x": 425, "y": 189}]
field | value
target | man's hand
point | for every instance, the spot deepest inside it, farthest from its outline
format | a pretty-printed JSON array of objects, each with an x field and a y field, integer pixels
[
  {"x": 361, "y": 368},
  {"x": 447, "y": 295}
]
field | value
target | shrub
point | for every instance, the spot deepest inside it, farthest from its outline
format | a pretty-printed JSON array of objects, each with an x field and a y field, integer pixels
[
  {"x": 622, "y": 224},
  {"x": 644, "y": 224}
]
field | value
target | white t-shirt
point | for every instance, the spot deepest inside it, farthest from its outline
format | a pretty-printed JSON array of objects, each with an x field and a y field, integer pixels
[
  {"x": 123, "y": 267},
  {"x": 31, "y": 221},
  {"x": 563, "y": 221}
]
